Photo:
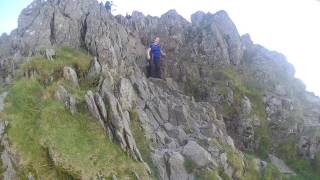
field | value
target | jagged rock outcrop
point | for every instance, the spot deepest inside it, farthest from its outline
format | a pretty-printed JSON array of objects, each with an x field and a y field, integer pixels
[
  {"x": 96, "y": 107},
  {"x": 219, "y": 92},
  {"x": 95, "y": 68},
  {"x": 7, "y": 161},
  {"x": 119, "y": 125},
  {"x": 70, "y": 75},
  {"x": 50, "y": 54},
  {"x": 126, "y": 94},
  {"x": 226, "y": 38},
  {"x": 116, "y": 125},
  {"x": 48, "y": 23},
  {"x": 196, "y": 153},
  {"x": 63, "y": 96}
]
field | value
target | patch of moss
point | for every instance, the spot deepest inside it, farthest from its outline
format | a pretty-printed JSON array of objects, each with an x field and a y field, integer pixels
[
  {"x": 90, "y": 83},
  {"x": 207, "y": 175},
  {"x": 252, "y": 172},
  {"x": 190, "y": 165},
  {"x": 196, "y": 88},
  {"x": 271, "y": 173},
  {"x": 223, "y": 174},
  {"x": 264, "y": 144},
  {"x": 316, "y": 162},
  {"x": 227, "y": 74},
  {"x": 236, "y": 161},
  {"x": 234, "y": 158},
  {"x": 229, "y": 110},
  {"x": 287, "y": 149}
]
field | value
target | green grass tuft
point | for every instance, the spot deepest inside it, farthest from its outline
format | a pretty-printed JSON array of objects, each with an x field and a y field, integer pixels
[
  {"x": 207, "y": 175},
  {"x": 271, "y": 173},
  {"x": 252, "y": 171},
  {"x": 66, "y": 56},
  {"x": 234, "y": 158}
]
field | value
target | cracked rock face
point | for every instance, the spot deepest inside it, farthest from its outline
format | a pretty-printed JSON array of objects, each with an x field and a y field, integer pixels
[{"x": 180, "y": 125}]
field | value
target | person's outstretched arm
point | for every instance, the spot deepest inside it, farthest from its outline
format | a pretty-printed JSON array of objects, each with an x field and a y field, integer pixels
[{"x": 148, "y": 53}]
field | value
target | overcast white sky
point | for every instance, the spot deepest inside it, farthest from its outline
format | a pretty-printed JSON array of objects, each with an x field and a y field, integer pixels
[{"x": 291, "y": 27}]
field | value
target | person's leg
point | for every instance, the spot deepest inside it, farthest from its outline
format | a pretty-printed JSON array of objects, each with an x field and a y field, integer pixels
[
  {"x": 153, "y": 69},
  {"x": 157, "y": 64},
  {"x": 148, "y": 68}
]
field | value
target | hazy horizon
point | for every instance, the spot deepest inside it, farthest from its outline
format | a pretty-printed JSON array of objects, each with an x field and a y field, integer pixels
[{"x": 288, "y": 26}]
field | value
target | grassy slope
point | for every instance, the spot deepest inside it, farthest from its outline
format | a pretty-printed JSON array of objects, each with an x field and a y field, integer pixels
[{"x": 38, "y": 123}]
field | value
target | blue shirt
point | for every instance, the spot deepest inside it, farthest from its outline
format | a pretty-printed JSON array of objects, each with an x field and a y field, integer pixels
[{"x": 155, "y": 51}]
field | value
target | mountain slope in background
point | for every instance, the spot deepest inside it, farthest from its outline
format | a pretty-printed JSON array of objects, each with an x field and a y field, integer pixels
[{"x": 79, "y": 106}]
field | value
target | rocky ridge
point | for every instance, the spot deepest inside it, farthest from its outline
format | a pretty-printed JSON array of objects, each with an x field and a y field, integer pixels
[{"x": 222, "y": 96}]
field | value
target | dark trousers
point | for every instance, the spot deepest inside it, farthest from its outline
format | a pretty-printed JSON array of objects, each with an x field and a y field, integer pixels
[{"x": 155, "y": 71}]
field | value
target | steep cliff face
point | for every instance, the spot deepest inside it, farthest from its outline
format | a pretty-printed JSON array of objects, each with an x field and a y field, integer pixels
[{"x": 221, "y": 98}]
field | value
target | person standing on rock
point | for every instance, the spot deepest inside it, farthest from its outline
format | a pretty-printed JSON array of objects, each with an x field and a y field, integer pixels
[
  {"x": 154, "y": 53},
  {"x": 108, "y": 5}
]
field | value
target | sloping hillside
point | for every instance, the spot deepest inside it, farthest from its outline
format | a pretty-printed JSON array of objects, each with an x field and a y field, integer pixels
[{"x": 77, "y": 104}]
